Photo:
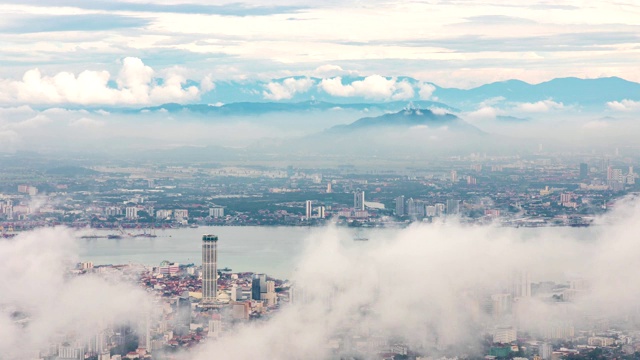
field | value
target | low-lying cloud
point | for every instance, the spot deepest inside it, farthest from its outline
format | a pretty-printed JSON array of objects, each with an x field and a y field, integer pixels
[
  {"x": 35, "y": 287},
  {"x": 428, "y": 286}
]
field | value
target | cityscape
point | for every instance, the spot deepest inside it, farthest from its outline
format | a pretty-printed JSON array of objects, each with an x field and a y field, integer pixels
[
  {"x": 543, "y": 189},
  {"x": 319, "y": 180}
]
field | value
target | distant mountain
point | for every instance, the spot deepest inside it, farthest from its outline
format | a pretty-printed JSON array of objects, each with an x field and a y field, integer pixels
[
  {"x": 589, "y": 93},
  {"x": 570, "y": 91},
  {"x": 257, "y": 108},
  {"x": 411, "y": 132},
  {"x": 247, "y": 98},
  {"x": 422, "y": 118},
  {"x": 511, "y": 119}
]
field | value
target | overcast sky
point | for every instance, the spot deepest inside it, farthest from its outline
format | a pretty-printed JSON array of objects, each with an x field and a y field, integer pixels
[{"x": 460, "y": 43}]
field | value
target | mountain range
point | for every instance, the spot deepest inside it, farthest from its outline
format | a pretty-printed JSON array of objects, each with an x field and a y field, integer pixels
[{"x": 589, "y": 93}]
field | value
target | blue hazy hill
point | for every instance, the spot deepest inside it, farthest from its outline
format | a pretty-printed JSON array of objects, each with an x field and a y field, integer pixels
[{"x": 410, "y": 118}]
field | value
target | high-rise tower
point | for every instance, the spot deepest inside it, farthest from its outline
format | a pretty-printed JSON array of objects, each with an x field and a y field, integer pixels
[
  {"x": 358, "y": 200},
  {"x": 209, "y": 268}
]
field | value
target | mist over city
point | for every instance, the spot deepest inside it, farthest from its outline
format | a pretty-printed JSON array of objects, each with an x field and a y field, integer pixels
[{"x": 190, "y": 179}]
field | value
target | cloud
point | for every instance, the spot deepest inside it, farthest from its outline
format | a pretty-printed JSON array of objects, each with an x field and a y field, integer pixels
[
  {"x": 86, "y": 123},
  {"x": 135, "y": 84},
  {"x": 596, "y": 125},
  {"x": 287, "y": 89},
  {"x": 31, "y": 123},
  {"x": 439, "y": 111},
  {"x": 539, "y": 106},
  {"x": 371, "y": 87},
  {"x": 426, "y": 90},
  {"x": 431, "y": 287},
  {"x": 624, "y": 105},
  {"x": 329, "y": 70},
  {"x": 37, "y": 284},
  {"x": 207, "y": 84},
  {"x": 193, "y": 7},
  {"x": 9, "y": 139},
  {"x": 484, "y": 113},
  {"x": 85, "y": 22}
]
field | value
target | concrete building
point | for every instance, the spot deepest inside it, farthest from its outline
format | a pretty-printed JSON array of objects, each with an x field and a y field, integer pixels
[
  {"x": 584, "y": 171},
  {"x": 216, "y": 212},
  {"x": 400, "y": 211},
  {"x": 258, "y": 286},
  {"x": 453, "y": 207},
  {"x": 164, "y": 214},
  {"x": 308, "y": 209},
  {"x": 131, "y": 212},
  {"x": 209, "y": 268},
  {"x": 358, "y": 200},
  {"x": 181, "y": 214},
  {"x": 521, "y": 285},
  {"x": 504, "y": 335}
]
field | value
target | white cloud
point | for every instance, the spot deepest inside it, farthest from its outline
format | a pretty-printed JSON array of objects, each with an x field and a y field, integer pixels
[
  {"x": 329, "y": 70},
  {"x": 86, "y": 123},
  {"x": 624, "y": 105},
  {"x": 484, "y": 113},
  {"x": 596, "y": 125},
  {"x": 439, "y": 111},
  {"x": 539, "y": 106},
  {"x": 38, "y": 284},
  {"x": 135, "y": 85},
  {"x": 207, "y": 84},
  {"x": 287, "y": 88},
  {"x": 8, "y": 140},
  {"x": 31, "y": 123},
  {"x": 426, "y": 90},
  {"x": 403, "y": 91},
  {"x": 372, "y": 87}
]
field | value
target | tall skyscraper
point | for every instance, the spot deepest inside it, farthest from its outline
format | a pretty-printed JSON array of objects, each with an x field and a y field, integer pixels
[
  {"x": 584, "y": 171},
  {"x": 358, "y": 200},
  {"x": 308, "y": 209},
  {"x": 209, "y": 268},
  {"x": 521, "y": 284},
  {"x": 400, "y": 206},
  {"x": 453, "y": 207},
  {"x": 258, "y": 286}
]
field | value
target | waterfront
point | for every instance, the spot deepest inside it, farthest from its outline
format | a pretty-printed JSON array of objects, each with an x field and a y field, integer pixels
[{"x": 272, "y": 250}]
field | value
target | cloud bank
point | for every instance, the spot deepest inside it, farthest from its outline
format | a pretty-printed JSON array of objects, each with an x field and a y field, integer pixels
[
  {"x": 135, "y": 84},
  {"x": 431, "y": 287},
  {"x": 40, "y": 304}
]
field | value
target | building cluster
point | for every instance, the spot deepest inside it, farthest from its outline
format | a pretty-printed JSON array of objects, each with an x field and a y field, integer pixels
[
  {"x": 541, "y": 189},
  {"x": 190, "y": 305}
]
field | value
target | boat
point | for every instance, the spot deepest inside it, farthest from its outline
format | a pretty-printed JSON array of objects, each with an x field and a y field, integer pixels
[
  {"x": 114, "y": 236},
  {"x": 225, "y": 269}
]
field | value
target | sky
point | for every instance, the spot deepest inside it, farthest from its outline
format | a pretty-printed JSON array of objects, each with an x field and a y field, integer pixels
[{"x": 190, "y": 45}]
